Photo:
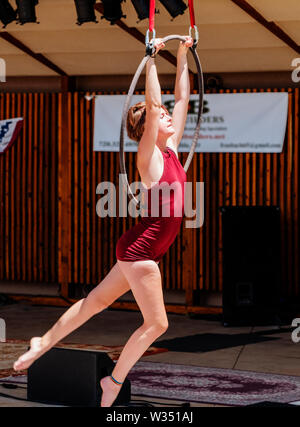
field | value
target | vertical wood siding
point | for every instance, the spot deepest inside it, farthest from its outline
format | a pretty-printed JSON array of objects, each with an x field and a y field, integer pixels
[
  {"x": 29, "y": 199},
  {"x": 28, "y": 190}
]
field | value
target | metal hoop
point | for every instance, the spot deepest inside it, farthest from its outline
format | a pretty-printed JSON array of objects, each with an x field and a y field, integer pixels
[{"x": 128, "y": 101}]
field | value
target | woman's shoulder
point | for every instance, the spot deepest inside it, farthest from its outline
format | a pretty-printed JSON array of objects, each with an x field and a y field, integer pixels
[{"x": 153, "y": 170}]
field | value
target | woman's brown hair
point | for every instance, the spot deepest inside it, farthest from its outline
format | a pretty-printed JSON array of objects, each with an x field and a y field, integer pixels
[{"x": 136, "y": 120}]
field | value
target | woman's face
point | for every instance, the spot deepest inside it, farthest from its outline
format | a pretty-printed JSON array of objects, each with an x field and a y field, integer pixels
[{"x": 165, "y": 123}]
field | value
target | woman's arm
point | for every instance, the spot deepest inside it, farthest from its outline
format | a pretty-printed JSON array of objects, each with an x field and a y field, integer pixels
[
  {"x": 182, "y": 91},
  {"x": 153, "y": 106}
]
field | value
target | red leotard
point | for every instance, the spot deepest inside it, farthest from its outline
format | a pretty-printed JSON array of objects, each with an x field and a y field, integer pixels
[{"x": 153, "y": 235}]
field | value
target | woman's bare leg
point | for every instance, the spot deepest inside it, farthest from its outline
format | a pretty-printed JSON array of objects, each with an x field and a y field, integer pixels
[
  {"x": 109, "y": 289},
  {"x": 145, "y": 282}
]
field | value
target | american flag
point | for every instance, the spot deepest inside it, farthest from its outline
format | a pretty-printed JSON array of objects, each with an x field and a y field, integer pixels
[{"x": 9, "y": 130}]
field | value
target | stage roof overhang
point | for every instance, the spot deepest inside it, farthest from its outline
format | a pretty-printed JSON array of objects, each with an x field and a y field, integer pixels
[{"x": 235, "y": 36}]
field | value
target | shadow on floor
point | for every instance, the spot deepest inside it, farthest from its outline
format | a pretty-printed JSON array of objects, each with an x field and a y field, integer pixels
[{"x": 211, "y": 342}]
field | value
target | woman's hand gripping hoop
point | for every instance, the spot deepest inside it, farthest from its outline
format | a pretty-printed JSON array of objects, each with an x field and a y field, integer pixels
[{"x": 129, "y": 97}]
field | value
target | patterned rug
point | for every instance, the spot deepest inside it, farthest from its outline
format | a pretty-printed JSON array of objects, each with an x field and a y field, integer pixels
[
  {"x": 12, "y": 349},
  {"x": 179, "y": 382},
  {"x": 211, "y": 385}
]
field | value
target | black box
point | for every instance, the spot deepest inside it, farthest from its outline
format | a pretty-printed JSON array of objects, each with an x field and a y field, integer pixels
[
  {"x": 251, "y": 263},
  {"x": 72, "y": 377}
]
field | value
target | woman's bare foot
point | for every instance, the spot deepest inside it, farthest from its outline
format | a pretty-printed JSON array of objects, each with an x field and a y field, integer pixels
[
  {"x": 36, "y": 350},
  {"x": 110, "y": 390}
]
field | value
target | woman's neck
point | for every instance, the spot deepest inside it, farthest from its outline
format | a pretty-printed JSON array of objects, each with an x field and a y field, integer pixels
[{"x": 162, "y": 143}]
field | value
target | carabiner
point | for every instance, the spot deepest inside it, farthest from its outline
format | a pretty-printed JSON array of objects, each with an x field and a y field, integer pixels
[
  {"x": 150, "y": 45},
  {"x": 196, "y": 39}
]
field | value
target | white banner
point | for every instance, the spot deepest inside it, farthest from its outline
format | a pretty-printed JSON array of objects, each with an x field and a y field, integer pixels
[
  {"x": 9, "y": 130},
  {"x": 239, "y": 122}
]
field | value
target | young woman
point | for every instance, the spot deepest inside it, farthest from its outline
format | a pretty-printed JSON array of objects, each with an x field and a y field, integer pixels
[{"x": 140, "y": 249}]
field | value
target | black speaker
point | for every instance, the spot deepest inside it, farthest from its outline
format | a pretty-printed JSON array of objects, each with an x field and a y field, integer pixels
[
  {"x": 251, "y": 263},
  {"x": 72, "y": 377}
]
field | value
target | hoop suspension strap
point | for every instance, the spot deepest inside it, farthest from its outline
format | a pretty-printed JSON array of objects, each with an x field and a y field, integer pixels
[
  {"x": 192, "y": 13},
  {"x": 151, "y": 15}
]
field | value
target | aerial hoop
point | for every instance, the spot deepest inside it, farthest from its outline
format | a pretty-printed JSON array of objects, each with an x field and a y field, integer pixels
[{"x": 128, "y": 102}]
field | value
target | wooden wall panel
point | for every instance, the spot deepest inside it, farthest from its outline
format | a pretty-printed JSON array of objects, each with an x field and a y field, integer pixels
[
  {"x": 29, "y": 200},
  {"x": 28, "y": 190}
]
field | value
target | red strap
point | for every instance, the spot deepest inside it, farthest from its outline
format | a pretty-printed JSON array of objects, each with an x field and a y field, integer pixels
[
  {"x": 192, "y": 13},
  {"x": 151, "y": 15}
]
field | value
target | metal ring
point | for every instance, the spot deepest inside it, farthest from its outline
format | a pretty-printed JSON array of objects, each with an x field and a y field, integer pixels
[{"x": 128, "y": 101}]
